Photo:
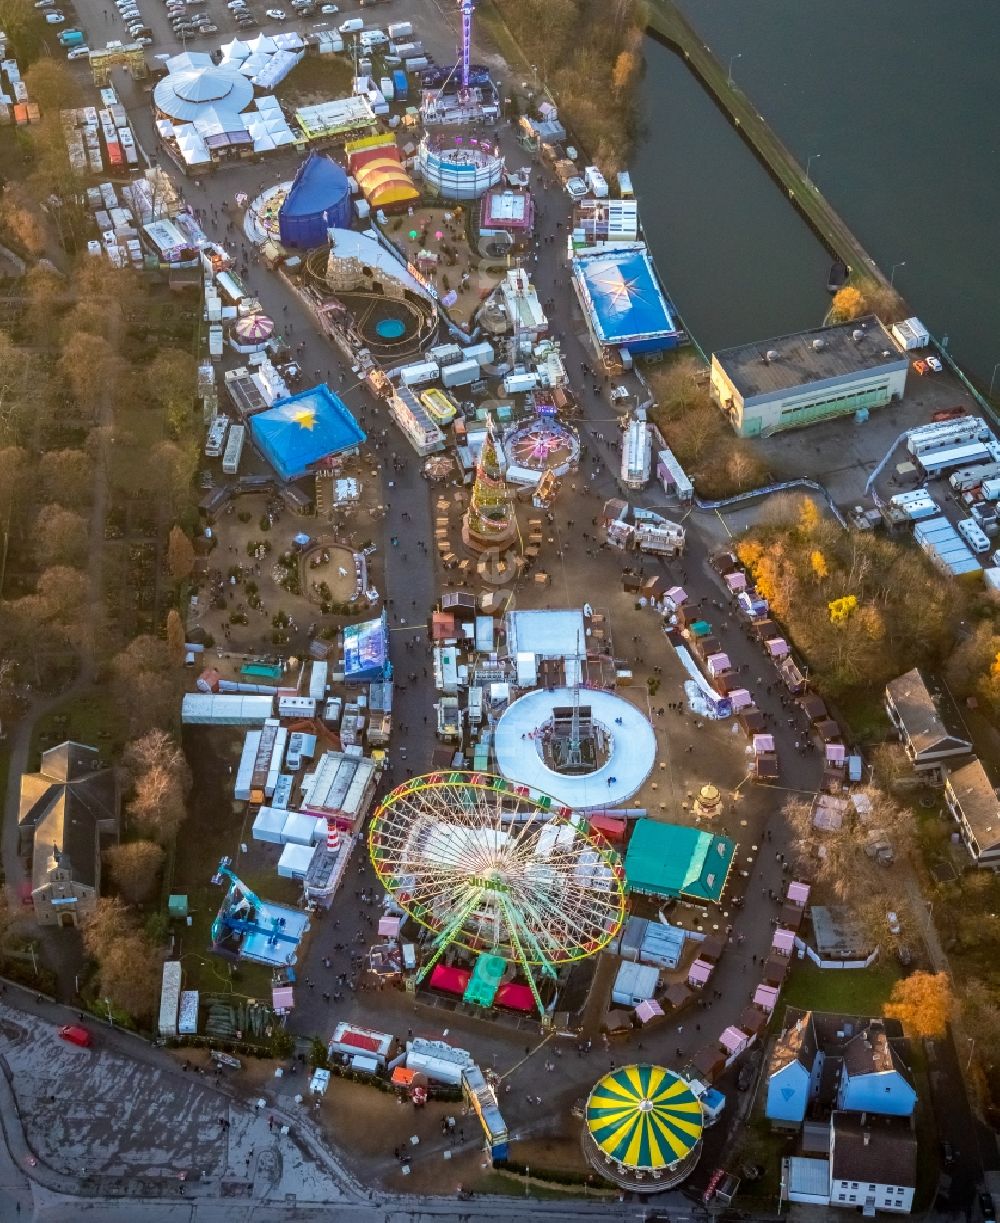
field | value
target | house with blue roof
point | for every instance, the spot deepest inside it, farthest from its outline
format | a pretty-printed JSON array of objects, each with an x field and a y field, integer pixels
[
  {"x": 824, "y": 1063},
  {"x": 794, "y": 1074},
  {"x": 873, "y": 1078}
]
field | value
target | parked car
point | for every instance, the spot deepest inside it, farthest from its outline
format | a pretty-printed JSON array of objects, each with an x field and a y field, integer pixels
[
  {"x": 78, "y": 53},
  {"x": 55, "y": 18},
  {"x": 329, "y": 9},
  {"x": 76, "y": 1035},
  {"x": 892, "y": 921},
  {"x": 276, "y": 14},
  {"x": 577, "y": 188},
  {"x": 987, "y": 1207}
]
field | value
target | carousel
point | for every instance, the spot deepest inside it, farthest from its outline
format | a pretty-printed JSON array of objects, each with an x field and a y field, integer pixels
[
  {"x": 542, "y": 446},
  {"x": 260, "y": 221}
]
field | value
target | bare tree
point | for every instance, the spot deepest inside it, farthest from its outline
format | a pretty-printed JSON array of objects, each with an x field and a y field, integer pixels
[{"x": 134, "y": 868}]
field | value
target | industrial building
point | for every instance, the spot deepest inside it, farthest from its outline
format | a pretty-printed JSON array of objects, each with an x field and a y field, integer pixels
[{"x": 807, "y": 377}]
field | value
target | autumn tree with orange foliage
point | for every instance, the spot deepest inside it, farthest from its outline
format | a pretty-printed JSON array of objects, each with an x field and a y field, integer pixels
[{"x": 922, "y": 1002}]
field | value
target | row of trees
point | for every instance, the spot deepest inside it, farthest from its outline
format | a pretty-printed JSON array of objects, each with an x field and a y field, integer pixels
[
  {"x": 719, "y": 463},
  {"x": 589, "y": 53},
  {"x": 899, "y": 610}
]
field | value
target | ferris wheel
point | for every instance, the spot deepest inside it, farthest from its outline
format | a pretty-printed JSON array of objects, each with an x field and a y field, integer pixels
[{"x": 493, "y": 867}]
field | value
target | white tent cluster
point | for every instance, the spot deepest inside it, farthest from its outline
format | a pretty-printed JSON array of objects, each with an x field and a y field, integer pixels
[
  {"x": 266, "y": 60},
  {"x": 267, "y": 126}
]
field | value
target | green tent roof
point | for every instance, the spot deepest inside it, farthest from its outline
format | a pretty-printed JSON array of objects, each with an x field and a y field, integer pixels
[
  {"x": 485, "y": 980},
  {"x": 673, "y": 860}
]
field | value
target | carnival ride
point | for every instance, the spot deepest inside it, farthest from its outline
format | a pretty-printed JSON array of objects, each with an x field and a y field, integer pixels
[
  {"x": 540, "y": 741},
  {"x": 488, "y": 866},
  {"x": 440, "y": 405},
  {"x": 254, "y": 929},
  {"x": 542, "y": 445},
  {"x": 643, "y": 1128}
]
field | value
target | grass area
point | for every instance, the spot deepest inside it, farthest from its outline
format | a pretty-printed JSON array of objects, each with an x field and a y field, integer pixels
[
  {"x": 92, "y": 718},
  {"x": 316, "y": 78},
  {"x": 864, "y": 712},
  {"x": 856, "y": 991},
  {"x": 215, "y": 828},
  {"x": 759, "y": 1144}
]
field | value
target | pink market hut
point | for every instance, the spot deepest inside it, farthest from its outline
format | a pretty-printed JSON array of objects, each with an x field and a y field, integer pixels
[
  {"x": 766, "y": 998},
  {"x": 733, "y": 1041},
  {"x": 783, "y": 942},
  {"x": 700, "y": 973}
]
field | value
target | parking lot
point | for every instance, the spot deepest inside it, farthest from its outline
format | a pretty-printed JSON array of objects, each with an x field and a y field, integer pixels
[{"x": 168, "y": 27}]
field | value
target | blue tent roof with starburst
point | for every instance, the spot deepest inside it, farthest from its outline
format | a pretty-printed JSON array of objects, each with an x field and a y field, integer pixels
[
  {"x": 624, "y": 299},
  {"x": 297, "y": 435}
]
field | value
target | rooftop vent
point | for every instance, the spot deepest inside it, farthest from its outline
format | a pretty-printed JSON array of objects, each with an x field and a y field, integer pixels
[
  {"x": 858, "y": 334},
  {"x": 819, "y": 344},
  {"x": 773, "y": 354}
]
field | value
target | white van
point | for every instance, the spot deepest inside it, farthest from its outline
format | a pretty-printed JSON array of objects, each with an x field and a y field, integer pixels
[
  {"x": 373, "y": 38},
  {"x": 974, "y": 535},
  {"x": 353, "y": 25}
]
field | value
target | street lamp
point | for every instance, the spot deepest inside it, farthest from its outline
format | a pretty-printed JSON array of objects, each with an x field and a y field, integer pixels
[
  {"x": 809, "y": 161},
  {"x": 527, "y": 1174},
  {"x": 892, "y": 273},
  {"x": 111, "y": 1018},
  {"x": 729, "y": 74},
  {"x": 990, "y": 392}
]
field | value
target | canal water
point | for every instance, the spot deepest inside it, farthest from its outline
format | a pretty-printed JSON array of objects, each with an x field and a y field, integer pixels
[{"x": 899, "y": 106}]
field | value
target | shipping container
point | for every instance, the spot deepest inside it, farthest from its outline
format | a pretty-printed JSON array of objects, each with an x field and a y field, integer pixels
[
  {"x": 461, "y": 374},
  {"x": 399, "y": 30},
  {"x": 234, "y": 450},
  {"x": 418, "y": 373}
]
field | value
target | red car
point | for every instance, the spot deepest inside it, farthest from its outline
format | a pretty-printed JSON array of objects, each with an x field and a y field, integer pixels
[{"x": 76, "y": 1035}]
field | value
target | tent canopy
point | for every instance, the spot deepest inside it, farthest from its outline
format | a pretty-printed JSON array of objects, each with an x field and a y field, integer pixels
[{"x": 644, "y": 1117}]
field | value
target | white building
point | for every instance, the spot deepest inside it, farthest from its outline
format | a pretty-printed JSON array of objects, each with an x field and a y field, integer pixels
[
  {"x": 800, "y": 379},
  {"x": 871, "y": 1168}
]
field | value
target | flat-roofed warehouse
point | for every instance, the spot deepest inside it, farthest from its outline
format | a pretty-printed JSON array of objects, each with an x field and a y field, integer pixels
[{"x": 801, "y": 379}]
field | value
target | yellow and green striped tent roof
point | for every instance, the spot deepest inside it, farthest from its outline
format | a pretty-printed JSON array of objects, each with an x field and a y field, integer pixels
[{"x": 645, "y": 1117}]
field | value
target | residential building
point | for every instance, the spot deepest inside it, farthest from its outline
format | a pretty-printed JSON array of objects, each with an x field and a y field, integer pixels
[
  {"x": 822, "y": 1063},
  {"x": 928, "y": 742},
  {"x": 873, "y": 1078},
  {"x": 793, "y": 1077},
  {"x": 868, "y": 1164},
  {"x": 68, "y": 813},
  {"x": 873, "y": 1164},
  {"x": 810, "y": 376},
  {"x": 972, "y": 800}
]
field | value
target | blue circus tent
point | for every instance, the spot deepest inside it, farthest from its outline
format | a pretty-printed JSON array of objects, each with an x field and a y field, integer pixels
[
  {"x": 318, "y": 199},
  {"x": 298, "y": 434}
]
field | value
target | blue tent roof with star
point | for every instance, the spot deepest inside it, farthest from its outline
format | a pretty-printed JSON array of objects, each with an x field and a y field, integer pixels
[
  {"x": 298, "y": 433},
  {"x": 624, "y": 299}
]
